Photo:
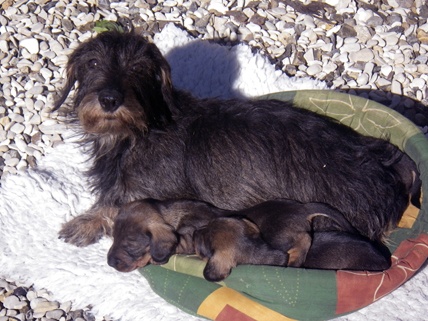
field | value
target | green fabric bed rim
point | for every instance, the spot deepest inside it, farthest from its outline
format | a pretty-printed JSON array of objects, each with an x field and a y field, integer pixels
[{"x": 276, "y": 293}]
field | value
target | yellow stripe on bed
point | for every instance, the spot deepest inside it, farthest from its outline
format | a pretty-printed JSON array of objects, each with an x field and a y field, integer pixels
[
  {"x": 225, "y": 297},
  {"x": 409, "y": 216}
]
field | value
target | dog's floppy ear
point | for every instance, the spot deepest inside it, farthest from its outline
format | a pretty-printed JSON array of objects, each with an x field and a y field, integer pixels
[
  {"x": 163, "y": 242},
  {"x": 166, "y": 84},
  {"x": 163, "y": 74},
  {"x": 163, "y": 97},
  {"x": 201, "y": 243},
  {"x": 71, "y": 80}
]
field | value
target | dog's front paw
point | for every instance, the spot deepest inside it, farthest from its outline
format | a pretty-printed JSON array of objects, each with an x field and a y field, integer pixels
[{"x": 84, "y": 230}]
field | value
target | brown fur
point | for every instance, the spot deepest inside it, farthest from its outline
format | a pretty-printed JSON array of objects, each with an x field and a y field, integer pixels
[
  {"x": 227, "y": 242},
  {"x": 279, "y": 232},
  {"x": 155, "y": 230},
  {"x": 297, "y": 231}
]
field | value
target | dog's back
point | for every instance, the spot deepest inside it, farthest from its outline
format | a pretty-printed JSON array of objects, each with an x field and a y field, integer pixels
[{"x": 272, "y": 150}]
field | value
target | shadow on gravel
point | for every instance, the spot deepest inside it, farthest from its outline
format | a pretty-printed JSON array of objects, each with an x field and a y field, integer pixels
[{"x": 206, "y": 69}]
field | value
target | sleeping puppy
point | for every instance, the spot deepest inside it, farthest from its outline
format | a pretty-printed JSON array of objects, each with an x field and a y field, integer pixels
[
  {"x": 298, "y": 230},
  {"x": 150, "y": 231},
  {"x": 230, "y": 241}
]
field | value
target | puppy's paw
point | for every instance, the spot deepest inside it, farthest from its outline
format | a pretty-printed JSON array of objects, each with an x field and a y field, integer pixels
[{"x": 84, "y": 230}]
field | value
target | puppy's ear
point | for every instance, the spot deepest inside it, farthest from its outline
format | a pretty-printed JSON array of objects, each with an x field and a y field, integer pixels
[
  {"x": 163, "y": 242},
  {"x": 252, "y": 229},
  {"x": 71, "y": 80},
  {"x": 201, "y": 243}
]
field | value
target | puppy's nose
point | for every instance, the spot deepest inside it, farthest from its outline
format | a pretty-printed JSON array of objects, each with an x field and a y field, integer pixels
[
  {"x": 112, "y": 261},
  {"x": 110, "y": 100}
]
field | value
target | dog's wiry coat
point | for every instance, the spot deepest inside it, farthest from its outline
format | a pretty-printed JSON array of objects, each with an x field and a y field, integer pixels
[{"x": 151, "y": 140}]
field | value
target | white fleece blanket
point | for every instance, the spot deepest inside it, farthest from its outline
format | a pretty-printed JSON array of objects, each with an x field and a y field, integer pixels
[{"x": 34, "y": 203}]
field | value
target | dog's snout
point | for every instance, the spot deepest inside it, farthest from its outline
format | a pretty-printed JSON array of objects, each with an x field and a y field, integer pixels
[
  {"x": 110, "y": 100},
  {"x": 113, "y": 261}
]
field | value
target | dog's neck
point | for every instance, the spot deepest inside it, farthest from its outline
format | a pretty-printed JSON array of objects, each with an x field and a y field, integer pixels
[
  {"x": 107, "y": 153},
  {"x": 106, "y": 145}
]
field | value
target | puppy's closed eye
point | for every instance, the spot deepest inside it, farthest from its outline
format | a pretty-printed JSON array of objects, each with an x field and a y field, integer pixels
[{"x": 136, "y": 246}]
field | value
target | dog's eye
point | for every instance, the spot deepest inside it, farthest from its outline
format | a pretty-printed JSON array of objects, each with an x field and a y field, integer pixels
[
  {"x": 92, "y": 64},
  {"x": 135, "y": 68}
]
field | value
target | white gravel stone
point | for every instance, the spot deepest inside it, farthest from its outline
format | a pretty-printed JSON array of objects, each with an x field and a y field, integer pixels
[
  {"x": 386, "y": 70},
  {"x": 418, "y": 83},
  {"x": 391, "y": 39},
  {"x": 51, "y": 129},
  {"x": 363, "y": 55},
  {"x": 368, "y": 68},
  {"x": 17, "y": 128},
  {"x": 350, "y": 47},
  {"x": 55, "y": 314},
  {"x": 363, "y": 79},
  {"x": 11, "y": 162},
  {"x": 382, "y": 82},
  {"x": 218, "y": 6},
  {"x": 31, "y": 45},
  {"x": 396, "y": 87},
  {"x": 34, "y": 91},
  {"x": 314, "y": 69},
  {"x": 16, "y": 117},
  {"x": 21, "y": 145},
  {"x": 12, "y": 301}
]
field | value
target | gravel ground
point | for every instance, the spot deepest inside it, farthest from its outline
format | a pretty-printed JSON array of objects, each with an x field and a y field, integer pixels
[{"x": 374, "y": 48}]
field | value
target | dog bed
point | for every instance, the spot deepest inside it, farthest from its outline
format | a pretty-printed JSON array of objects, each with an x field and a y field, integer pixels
[{"x": 277, "y": 293}]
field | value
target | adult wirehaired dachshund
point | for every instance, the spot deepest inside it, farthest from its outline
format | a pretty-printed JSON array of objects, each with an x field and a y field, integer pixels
[
  {"x": 276, "y": 232},
  {"x": 150, "y": 140}
]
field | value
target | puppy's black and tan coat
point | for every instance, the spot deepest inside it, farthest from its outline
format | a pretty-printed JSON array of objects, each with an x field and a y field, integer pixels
[
  {"x": 310, "y": 235},
  {"x": 278, "y": 232},
  {"x": 150, "y": 231},
  {"x": 149, "y": 140}
]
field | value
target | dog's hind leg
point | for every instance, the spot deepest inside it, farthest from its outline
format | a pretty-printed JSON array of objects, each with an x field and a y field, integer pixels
[{"x": 88, "y": 228}]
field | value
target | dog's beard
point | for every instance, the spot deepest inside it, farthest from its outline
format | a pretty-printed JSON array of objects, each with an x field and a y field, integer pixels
[{"x": 124, "y": 122}]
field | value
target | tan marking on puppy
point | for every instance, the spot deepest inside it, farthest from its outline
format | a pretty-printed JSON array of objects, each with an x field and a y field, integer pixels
[{"x": 297, "y": 254}]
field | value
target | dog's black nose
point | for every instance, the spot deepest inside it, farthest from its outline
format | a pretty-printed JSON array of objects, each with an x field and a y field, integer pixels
[
  {"x": 113, "y": 261},
  {"x": 110, "y": 100}
]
